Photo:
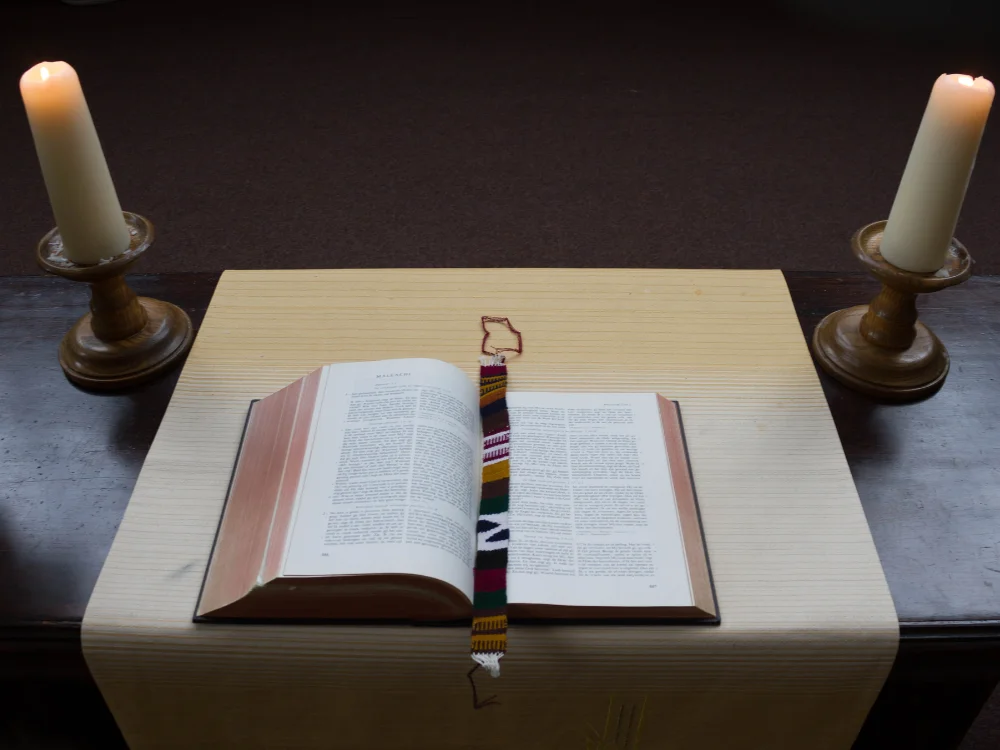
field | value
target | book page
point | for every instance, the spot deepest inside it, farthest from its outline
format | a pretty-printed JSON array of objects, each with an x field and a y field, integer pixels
[
  {"x": 593, "y": 520},
  {"x": 391, "y": 483}
]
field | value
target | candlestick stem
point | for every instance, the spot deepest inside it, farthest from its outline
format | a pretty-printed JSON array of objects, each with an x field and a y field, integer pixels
[
  {"x": 115, "y": 308},
  {"x": 891, "y": 319},
  {"x": 881, "y": 348},
  {"x": 124, "y": 339}
]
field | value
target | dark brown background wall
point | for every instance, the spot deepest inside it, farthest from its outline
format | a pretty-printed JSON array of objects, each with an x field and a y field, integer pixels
[{"x": 290, "y": 134}]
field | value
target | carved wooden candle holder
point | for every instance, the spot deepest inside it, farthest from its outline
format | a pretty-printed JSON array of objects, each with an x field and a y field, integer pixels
[
  {"x": 124, "y": 339},
  {"x": 881, "y": 349}
]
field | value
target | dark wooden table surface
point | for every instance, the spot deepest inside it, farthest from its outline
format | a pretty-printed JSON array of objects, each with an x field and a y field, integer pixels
[{"x": 927, "y": 475}]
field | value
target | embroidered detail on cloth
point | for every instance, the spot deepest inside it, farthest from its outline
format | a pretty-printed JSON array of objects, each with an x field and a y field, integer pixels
[{"x": 489, "y": 604}]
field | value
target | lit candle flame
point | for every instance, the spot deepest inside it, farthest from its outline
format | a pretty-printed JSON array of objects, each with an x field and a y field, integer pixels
[
  {"x": 45, "y": 73},
  {"x": 966, "y": 80}
]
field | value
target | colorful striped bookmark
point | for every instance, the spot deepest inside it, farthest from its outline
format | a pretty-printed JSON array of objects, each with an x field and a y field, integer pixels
[{"x": 489, "y": 605}]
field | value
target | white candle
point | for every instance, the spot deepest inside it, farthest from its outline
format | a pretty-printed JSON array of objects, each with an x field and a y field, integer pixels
[
  {"x": 923, "y": 216},
  {"x": 76, "y": 175}
]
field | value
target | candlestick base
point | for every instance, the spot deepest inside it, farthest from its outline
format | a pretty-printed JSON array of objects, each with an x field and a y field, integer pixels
[
  {"x": 124, "y": 340},
  {"x": 893, "y": 374},
  {"x": 881, "y": 349}
]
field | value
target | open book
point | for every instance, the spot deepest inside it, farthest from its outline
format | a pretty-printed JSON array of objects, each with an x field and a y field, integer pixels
[{"x": 356, "y": 490}]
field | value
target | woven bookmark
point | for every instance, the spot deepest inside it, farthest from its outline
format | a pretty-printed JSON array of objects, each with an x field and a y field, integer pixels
[{"x": 489, "y": 604}]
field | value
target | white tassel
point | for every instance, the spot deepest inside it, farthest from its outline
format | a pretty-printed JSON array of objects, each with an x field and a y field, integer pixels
[
  {"x": 492, "y": 360},
  {"x": 490, "y": 662}
]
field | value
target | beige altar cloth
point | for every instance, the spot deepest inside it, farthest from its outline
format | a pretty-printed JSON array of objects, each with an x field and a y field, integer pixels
[{"x": 809, "y": 630}]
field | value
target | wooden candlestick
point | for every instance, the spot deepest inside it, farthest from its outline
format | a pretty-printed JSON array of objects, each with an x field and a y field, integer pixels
[
  {"x": 124, "y": 339},
  {"x": 881, "y": 349}
]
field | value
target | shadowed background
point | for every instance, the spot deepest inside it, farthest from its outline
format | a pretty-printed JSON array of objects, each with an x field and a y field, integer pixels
[{"x": 290, "y": 134}]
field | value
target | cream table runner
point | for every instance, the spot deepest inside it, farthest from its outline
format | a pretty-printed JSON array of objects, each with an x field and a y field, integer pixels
[{"x": 809, "y": 630}]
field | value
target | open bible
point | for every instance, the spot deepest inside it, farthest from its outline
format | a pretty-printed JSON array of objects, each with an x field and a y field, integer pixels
[{"x": 356, "y": 490}]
